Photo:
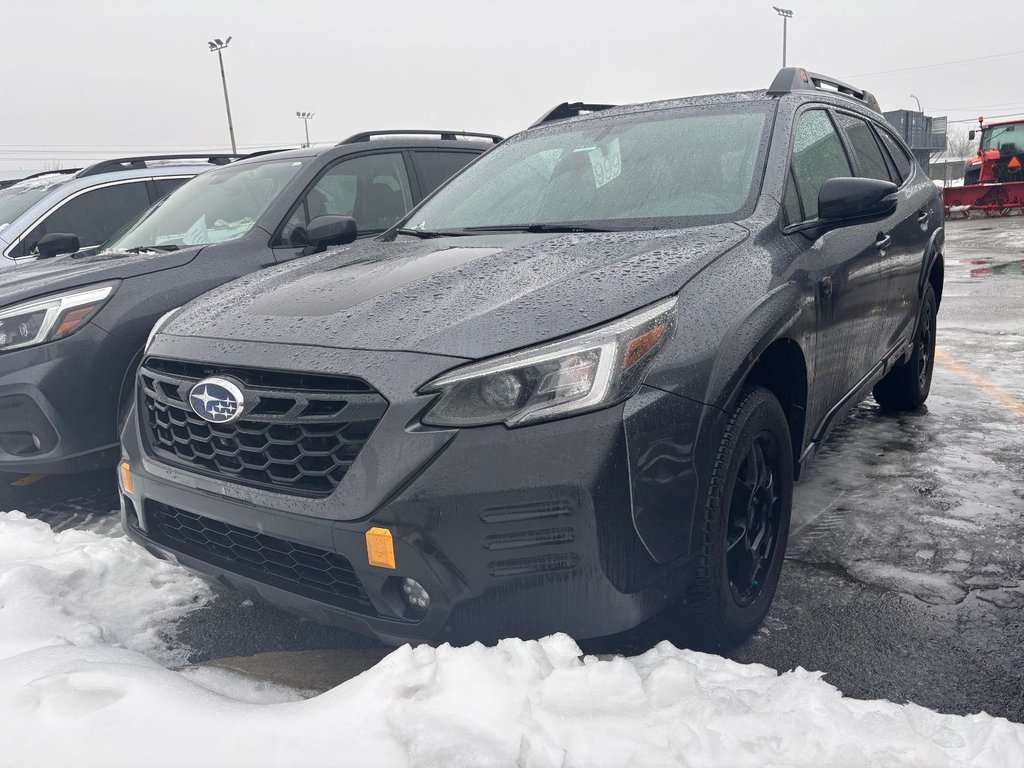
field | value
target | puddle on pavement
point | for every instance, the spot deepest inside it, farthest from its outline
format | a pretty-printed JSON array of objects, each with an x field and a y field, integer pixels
[{"x": 1005, "y": 268}]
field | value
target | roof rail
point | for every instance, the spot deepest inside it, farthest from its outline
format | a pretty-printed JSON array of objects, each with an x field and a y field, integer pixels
[
  {"x": 132, "y": 163},
  {"x": 445, "y": 135},
  {"x": 792, "y": 79},
  {"x": 566, "y": 110}
]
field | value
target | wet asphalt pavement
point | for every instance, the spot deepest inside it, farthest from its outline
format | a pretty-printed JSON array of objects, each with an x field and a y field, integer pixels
[{"x": 905, "y": 571}]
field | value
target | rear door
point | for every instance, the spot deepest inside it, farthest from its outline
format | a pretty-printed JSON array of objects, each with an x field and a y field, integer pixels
[
  {"x": 919, "y": 215},
  {"x": 842, "y": 264},
  {"x": 898, "y": 266}
]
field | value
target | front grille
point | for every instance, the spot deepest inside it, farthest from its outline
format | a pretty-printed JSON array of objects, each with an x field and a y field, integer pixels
[
  {"x": 300, "y": 433},
  {"x": 315, "y": 573}
]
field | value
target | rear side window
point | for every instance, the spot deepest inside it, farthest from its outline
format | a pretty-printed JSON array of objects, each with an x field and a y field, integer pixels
[
  {"x": 94, "y": 216},
  {"x": 867, "y": 154},
  {"x": 166, "y": 186},
  {"x": 372, "y": 189},
  {"x": 899, "y": 156},
  {"x": 435, "y": 168},
  {"x": 818, "y": 156}
]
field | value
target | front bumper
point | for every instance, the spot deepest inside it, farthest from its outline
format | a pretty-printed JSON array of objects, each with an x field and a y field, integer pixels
[
  {"x": 58, "y": 403},
  {"x": 519, "y": 532}
]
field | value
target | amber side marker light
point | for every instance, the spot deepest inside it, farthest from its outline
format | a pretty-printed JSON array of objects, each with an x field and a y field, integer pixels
[
  {"x": 641, "y": 345},
  {"x": 125, "y": 472},
  {"x": 380, "y": 548}
]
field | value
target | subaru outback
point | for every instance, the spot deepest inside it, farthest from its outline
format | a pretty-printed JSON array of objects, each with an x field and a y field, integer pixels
[{"x": 570, "y": 391}]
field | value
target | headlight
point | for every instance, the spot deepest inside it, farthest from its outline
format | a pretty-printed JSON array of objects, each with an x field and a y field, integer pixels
[
  {"x": 582, "y": 373},
  {"x": 53, "y": 317},
  {"x": 160, "y": 323}
]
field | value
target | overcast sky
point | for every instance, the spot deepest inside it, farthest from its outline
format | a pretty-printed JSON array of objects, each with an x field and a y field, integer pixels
[{"x": 84, "y": 79}]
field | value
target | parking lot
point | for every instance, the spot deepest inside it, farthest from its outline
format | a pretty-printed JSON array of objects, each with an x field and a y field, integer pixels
[{"x": 904, "y": 577}]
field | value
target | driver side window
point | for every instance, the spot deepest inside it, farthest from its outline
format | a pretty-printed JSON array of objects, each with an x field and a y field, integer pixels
[
  {"x": 818, "y": 156},
  {"x": 372, "y": 189}
]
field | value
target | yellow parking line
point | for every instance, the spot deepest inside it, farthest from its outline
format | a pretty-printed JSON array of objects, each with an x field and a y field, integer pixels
[
  {"x": 997, "y": 393},
  {"x": 28, "y": 480}
]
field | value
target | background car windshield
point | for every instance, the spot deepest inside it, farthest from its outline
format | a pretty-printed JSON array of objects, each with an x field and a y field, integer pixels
[
  {"x": 639, "y": 170},
  {"x": 18, "y": 198},
  {"x": 214, "y": 207}
]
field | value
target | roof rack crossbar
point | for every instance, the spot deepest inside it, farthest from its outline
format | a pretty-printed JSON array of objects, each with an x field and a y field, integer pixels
[
  {"x": 566, "y": 110},
  {"x": 445, "y": 135},
  {"x": 792, "y": 79},
  {"x": 142, "y": 161}
]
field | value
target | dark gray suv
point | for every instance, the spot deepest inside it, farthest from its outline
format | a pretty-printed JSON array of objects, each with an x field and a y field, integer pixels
[{"x": 569, "y": 392}]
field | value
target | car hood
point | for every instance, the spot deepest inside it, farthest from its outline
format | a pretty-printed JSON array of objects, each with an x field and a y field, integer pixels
[
  {"x": 43, "y": 277},
  {"x": 469, "y": 297}
]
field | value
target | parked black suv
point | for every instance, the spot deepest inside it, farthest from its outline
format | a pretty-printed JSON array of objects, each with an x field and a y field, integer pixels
[
  {"x": 72, "y": 329},
  {"x": 570, "y": 391}
]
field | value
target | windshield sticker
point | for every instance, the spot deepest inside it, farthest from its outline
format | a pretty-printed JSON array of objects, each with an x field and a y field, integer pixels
[
  {"x": 196, "y": 234},
  {"x": 605, "y": 163}
]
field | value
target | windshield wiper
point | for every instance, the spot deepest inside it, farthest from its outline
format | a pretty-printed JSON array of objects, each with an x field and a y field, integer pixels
[
  {"x": 144, "y": 248},
  {"x": 567, "y": 226},
  {"x": 425, "y": 234}
]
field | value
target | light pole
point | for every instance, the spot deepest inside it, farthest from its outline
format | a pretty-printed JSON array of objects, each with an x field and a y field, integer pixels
[
  {"x": 786, "y": 15},
  {"x": 305, "y": 117},
  {"x": 918, "y": 103},
  {"x": 219, "y": 45}
]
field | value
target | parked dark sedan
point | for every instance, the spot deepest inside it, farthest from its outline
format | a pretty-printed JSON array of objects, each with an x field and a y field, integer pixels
[
  {"x": 72, "y": 329},
  {"x": 569, "y": 392}
]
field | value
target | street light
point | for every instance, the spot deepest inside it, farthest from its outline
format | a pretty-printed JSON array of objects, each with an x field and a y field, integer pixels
[
  {"x": 305, "y": 117},
  {"x": 219, "y": 45},
  {"x": 918, "y": 103},
  {"x": 786, "y": 15}
]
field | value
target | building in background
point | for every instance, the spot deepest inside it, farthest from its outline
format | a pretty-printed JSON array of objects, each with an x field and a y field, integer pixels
[{"x": 926, "y": 136}]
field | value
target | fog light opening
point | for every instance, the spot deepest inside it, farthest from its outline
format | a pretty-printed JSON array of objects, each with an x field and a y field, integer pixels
[{"x": 415, "y": 595}]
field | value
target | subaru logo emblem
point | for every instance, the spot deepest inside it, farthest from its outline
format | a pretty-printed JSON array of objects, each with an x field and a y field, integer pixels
[{"x": 217, "y": 400}]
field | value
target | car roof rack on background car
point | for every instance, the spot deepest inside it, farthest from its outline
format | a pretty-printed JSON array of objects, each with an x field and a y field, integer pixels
[
  {"x": 143, "y": 161},
  {"x": 565, "y": 110},
  {"x": 792, "y": 79},
  {"x": 445, "y": 135}
]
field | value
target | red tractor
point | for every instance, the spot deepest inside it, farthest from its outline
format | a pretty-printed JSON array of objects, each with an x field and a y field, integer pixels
[{"x": 993, "y": 178}]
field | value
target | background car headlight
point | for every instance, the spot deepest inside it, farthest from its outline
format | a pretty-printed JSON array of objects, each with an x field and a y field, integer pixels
[
  {"x": 585, "y": 372},
  {"x": 53, "y": 317}
]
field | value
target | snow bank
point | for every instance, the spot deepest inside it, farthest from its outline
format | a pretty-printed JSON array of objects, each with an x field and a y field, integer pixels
[
  {"x": 522, "y": 703},
  {"x": 80, "y": 588},
  {"x": 68, "y": 696}
]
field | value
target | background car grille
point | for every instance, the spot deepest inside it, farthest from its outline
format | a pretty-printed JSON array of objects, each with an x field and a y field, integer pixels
[
  {"x": 299, "y": 434},
  {"x": 316, "y": 573}
]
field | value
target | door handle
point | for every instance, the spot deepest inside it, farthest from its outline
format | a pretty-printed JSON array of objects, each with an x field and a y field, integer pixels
[{"x": 883, "y": 241}]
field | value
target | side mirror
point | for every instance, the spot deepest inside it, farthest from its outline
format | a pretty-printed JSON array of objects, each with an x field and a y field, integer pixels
[
  {"x": 56, "y": 243},
  {"x": 324, "y": 231},
  {"x": 970, "y": 135},
  {"x": 844, "y": 198}
]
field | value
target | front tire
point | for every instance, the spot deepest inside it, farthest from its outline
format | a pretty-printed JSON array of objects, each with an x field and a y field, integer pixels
[
  {"x": 906, "y": 387},
  {"x": 746, "y": 527}
]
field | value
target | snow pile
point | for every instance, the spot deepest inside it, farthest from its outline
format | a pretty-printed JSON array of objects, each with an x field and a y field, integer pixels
[
  {"x": 80, "y": 588},
  {"x": 527, "y": 703},
  {"x": 68, "y": 697}
]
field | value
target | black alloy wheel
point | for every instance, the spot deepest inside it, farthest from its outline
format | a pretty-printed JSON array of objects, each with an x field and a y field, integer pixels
[
  {"x": 755, "y": 513},
  {"x": 906, "y": 387},
  {"x": 745, "y": 528}
]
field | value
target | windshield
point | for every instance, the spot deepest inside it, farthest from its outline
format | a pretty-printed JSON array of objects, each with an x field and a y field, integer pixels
[
  {"x": 214, "y": 207},
  {"x": 18, "y": 198},
  {"x": 636, "y": 171},
  {"x": 1008, "y": 139}
]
